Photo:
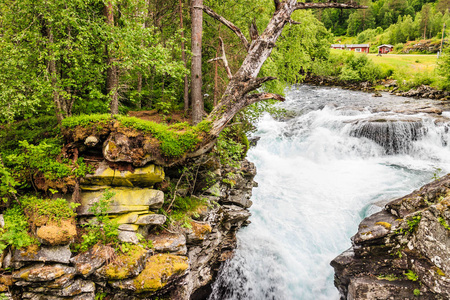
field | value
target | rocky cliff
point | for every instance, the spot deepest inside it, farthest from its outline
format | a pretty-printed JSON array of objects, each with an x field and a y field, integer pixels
[
  {"x": 402, "y": 252},
  {"x": 181, "y": 260}
]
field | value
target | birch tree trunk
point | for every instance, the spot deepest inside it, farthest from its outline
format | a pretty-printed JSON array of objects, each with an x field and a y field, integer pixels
[{"x": 196, "y": 64}]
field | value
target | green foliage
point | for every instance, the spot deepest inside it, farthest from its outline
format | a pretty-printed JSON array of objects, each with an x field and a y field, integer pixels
[
  {"x": 416, "y": 292},
  {"x": 230, "y": 147},
  {"x": 32, "y": 130},
  {"x": 7, "y": 182},
  {"x": 15, "y": 233},
  {"x": 53, "y": 209},
  {"x": 101, "y": 228},
  {"x": 411, "y": 275},
  {"x": 43, "y": 158},
  {"x": 86, "y": 120},
  {"x": 100, "y": 295},
  {"x": 444, "y": 223},
  {"x": 436, "y": 173},
  {"x": 183, "y": 209},
  {"x": 413, "y": 222}
]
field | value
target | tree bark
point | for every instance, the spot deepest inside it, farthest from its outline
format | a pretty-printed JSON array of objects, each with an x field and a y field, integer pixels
[
  {"x": 183, "y": 58},
  {"x": 196, "y": 68},
  {"x": 112, "y": 82},
  {"x": 244, "y": 81}
]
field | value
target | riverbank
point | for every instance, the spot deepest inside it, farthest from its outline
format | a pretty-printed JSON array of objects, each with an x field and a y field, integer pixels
[{"x": 390, "y": 86}]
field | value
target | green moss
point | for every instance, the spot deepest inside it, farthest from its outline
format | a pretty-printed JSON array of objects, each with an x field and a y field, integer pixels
[
  {"x": 124, "y": 263},
  {"x": 444, "y": 223},
  {"x": 85, "y": 120},
  {"x": 48, "y": 209},
  {"x": 175, "y": 140},
  {"x": 15, "y": 233},
  {"x": 158, "y": 270}
]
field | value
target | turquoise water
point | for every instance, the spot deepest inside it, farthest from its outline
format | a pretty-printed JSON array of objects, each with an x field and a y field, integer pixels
[{"x": 316, "y": 183}]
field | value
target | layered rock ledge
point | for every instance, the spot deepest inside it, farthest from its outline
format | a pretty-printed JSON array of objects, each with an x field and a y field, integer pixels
[
  {"x": 182, "y": 262},
  {"x": 402, "y": 252}
]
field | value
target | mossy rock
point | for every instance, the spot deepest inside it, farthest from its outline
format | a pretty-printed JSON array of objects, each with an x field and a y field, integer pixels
[
  {"x": 139, "y": 177},
  {"x": 124, "y": 200},
  {"x": 160, "y": 270},
  {"x": 125, "y": 265},
  {"x": 57, "y": 233}
]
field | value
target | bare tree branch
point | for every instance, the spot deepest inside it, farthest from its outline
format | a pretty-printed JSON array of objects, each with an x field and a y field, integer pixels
[
  {"x": 253, "y": 29},
  {"x": 253, "y": 98},
  {"x": 277, "y": 4},
  {"x": 224, "y": 59},
  {"x": 227, "y": 23}
]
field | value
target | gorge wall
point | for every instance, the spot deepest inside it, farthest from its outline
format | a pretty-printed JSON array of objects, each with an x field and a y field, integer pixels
[
  {"x": 401, "y": 252},
  {"x": 180, "y": 264}
]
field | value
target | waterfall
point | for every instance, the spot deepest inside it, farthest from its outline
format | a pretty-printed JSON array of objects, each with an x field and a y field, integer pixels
[{"x": 320, "y": 173}]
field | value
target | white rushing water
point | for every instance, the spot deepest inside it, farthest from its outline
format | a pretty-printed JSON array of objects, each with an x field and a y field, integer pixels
[{"x": 319, "y": 176}]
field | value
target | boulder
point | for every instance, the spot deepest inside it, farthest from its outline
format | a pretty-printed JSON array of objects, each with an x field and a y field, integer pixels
[
  {"x": 197, "y": 232},
  {"x": 125, "y": 200}
]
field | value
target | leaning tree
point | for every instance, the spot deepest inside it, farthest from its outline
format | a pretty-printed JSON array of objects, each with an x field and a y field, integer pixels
[{"x": 239, "y": 92}]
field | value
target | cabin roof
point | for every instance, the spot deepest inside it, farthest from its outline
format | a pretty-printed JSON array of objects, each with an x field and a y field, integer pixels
[
  {"x": 350, "y": 45},
  {"x": 386, "y": 45}
]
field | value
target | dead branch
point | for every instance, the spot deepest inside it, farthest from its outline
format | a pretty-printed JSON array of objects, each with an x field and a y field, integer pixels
[
  {"x": 224, "y": 59},
  {"x": 253, "y": 98},
  {"x": 254, "y": 34},
  {"x": 227, "y": 23}
]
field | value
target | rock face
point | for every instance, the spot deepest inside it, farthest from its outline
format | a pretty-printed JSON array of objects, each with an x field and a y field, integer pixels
[
  {"x": 402, "y": 252},
  {"x": 182, "y": 263}
]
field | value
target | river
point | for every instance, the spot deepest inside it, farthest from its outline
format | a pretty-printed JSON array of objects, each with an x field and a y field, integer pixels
[{"x": 339, "y": 158}]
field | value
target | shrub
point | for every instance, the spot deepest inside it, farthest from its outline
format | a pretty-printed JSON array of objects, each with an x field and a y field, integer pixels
[{"x": 15, "y": 233}]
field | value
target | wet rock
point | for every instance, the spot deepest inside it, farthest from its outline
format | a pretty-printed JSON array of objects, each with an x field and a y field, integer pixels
[
  {"x": 58, "y": 254},
  {"x": 88, "y": 262},
  {"x": 125, "y": 200},
  {"x": 401, "y": 252}
]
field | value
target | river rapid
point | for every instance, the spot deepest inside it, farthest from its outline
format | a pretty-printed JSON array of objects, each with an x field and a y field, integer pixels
[{"x": 339, "y": 157}]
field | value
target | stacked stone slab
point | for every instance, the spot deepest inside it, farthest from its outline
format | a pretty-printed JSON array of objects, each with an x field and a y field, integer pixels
[{"x": 134, "y": 202}]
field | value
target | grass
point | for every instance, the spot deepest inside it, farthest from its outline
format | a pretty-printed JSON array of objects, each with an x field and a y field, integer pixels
[{"x": 416, "y": 63}]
